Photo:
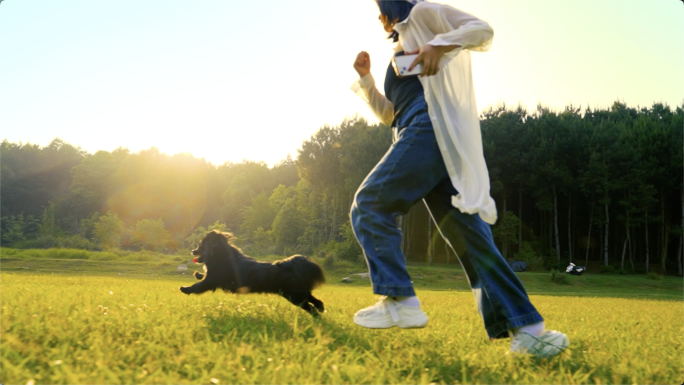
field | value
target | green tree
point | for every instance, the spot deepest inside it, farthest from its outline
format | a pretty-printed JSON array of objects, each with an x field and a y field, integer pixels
[
  {"x": 12, "y": 230},
  {"x": 32, "y": 176},
  {"x": 47, "y": 227},
  {"x": 506, "y": 229},
  {"x": 287, "y": 226},
  {"x": 247, "y": 180},
  {"x": 150, "y": 234},
  {"x": 334, "y": 162},
  {"x": 552, "y": 174},
  {"x": 505, "y": 137},
  {"x": 87, "y": 226},
  {"x": 109, "y": 230},
  {"x": 258, "y": 215}
]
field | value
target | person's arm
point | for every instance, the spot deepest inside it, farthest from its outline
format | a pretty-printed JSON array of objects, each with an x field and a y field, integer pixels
[
  {"x": 453, "y": 27},
  {"x": 365, "y": 88},
  {"x": 430, "y": 57},
  {"x": 378, "y": 103},
  {"x": 454, "y": 30}
]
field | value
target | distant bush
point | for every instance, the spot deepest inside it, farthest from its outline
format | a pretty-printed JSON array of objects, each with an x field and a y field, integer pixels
[
  {"x": 551, "y": 261},
  {"x": 7, "y": 252},
  {"x": 610, "y": 269},
  {"x": 260, "y": 244},
  {"x": 525, "y": 252},
  {"x": 66, "y": 254},
  {"x": 104, "y": 256},
  {"x": 652, "y": 275},
  {"x": 347, "y": 250},
  {"x": 66, "y": 242},
  {"x": 528, "y": 255},
  {"x": 287, "y": 250},
  {"x": 143, "y": 256},
  {"x": 329, "y": 262},
  {"x": 109, "y": 255},
  {"x": 52, "y": 253},
  {"x": 42, "y": 243},
  {"x": 122, "y": 253},
  {"x": 150, "y": 234},
  {"x": 559, "y": 278},
  {"x": 78, "y": 242}
]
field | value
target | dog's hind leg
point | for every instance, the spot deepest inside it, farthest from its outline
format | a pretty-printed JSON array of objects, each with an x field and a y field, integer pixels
[
  {"x": 301, "y": 300},
  {"x": 198, "y": 275},
  {"x": 317, "y": 303}
]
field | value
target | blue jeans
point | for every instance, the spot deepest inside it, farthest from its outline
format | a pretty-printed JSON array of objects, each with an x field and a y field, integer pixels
[{"x": 413, "y": 169}]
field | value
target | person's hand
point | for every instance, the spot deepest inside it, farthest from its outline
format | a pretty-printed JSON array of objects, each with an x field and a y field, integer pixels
[
  {"x": 362, "y": 63},
  {"x": 430, "y": 56}
]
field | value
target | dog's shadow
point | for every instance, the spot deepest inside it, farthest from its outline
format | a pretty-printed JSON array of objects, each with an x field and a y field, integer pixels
[
  {"x": 248, "y": 327},
  {"x": 295, "y": 325}
]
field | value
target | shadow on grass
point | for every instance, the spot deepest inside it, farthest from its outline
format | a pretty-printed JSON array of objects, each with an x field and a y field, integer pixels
[
  {"x": 261, "y": 329},
  {"x": 284, "y": 326}
]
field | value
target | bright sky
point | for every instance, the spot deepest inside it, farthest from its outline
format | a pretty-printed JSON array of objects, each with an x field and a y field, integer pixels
[{"x": 242, "y": 79}]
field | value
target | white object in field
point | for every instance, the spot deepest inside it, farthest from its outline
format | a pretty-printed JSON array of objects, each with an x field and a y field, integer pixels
[
  {"x": 569, "y": 269},
  {"x": 402, "y": 63},
  {"x": 182, "y": 267}
]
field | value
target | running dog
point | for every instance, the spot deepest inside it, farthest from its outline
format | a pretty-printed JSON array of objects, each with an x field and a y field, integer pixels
[{"x": 228, "y": 269}]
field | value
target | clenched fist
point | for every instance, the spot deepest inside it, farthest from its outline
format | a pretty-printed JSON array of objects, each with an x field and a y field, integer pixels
[{"x": 362, "y": 63}]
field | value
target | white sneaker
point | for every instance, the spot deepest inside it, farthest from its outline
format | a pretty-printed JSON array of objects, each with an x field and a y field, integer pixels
[
  {"x": 388, "y": 313},
  {"x": 546, "y": 345}
]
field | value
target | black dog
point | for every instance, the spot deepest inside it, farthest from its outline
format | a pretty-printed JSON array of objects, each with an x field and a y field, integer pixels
[{"x": 227, "y": 268}]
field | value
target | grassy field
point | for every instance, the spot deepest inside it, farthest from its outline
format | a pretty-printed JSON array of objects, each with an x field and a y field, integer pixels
[{"x": 94, "y": 322}]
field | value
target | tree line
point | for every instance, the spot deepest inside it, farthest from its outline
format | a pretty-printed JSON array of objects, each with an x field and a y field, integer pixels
[{"x": 584, "y": 185}]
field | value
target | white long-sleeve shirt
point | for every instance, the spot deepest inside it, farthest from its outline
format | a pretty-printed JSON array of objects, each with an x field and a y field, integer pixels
[{"x": 450, "y": 97}]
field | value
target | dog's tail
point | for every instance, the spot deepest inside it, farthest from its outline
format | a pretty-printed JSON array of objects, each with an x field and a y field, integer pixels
[{"x": 308, "y": 270}]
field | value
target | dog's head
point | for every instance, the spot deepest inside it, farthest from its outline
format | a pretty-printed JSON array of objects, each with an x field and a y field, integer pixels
[{"x": 212, "y": 243}]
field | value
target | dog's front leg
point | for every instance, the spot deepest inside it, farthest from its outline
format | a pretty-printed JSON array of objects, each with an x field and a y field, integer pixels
[{"x": 198, "y": 288}]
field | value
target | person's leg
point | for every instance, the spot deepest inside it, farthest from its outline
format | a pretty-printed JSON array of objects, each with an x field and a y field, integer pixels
[
  {"x": 500, "y": 296},
  {"x": 402, "y": 177}
]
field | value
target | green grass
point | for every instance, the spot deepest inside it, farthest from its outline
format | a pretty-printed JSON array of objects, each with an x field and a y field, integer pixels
[
  {"x": 113, "y": 255},
  {"x": 81, "y": 322},
  {"x": 132, "y": 264}
]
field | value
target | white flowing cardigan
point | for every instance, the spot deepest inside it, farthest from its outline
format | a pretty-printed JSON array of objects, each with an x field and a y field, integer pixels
[{"x": 450, "y": 98}]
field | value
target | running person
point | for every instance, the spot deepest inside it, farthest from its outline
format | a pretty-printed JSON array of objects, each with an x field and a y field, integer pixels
[{"x": 437, "y": 156}]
